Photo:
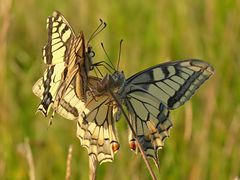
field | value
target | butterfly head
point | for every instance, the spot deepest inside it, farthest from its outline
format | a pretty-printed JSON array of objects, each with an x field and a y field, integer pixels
[{"x": 119, "y": 80}]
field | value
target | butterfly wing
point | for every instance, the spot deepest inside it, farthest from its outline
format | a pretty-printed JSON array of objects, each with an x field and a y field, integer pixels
[
  {"x": 150, "y": 120},
  {"x": 173, "y": 83},
  {"x": 64, "y": 46},
  {"x": 96, "y": 128},
  {"x": 150, "y": 94},
  {"x": 70, "y": 106},
  {"x": 64, "y": 55},
  {"x": 60, "y": 38}
]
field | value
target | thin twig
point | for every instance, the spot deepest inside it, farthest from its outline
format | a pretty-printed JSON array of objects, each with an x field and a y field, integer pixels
[
  {"x": 92, "y": 167},
  {"x": 69, "y": 160},
  {"x": 135, "y": 136}
]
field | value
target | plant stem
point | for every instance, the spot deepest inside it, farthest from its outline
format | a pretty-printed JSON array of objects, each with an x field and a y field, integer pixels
[{"x": 135, "y": 136}]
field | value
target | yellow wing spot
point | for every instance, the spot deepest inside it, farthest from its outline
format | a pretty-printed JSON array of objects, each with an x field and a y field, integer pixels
[
  {"x": 171, "y": 70},
  {"x": 95, "y": 132},
  {"x": 151, "y": 127},
  {"x": 166, "y": 88},
  {"x": 154, "y": 90},
  {"x": 55, "y": 24},
  {"x": 101, "y": 136},
  {"x": 91, "y": 127},
  {"x": 58, "y": 55},
  {"x": 55, "y": 35},
  {"x": 189, "y": 71},
  {"x": 173, "y": 84},
  {"x": 158, "y": 74},
  {"x": 184, "y": 75},
  {"x": 55, "y": 41},
  {"x": 57, "y": 46},
  {"x": 66, "y": 35},
  {"x": 54, "y": 29},
  {"x": 61, "y": 27},
  {"x": 178, "y": 79}
]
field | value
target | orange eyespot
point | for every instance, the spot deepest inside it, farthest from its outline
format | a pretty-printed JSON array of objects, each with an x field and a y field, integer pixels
[
  {"x": 132, "y": 145},
  {"x": 115, "y": 147}
]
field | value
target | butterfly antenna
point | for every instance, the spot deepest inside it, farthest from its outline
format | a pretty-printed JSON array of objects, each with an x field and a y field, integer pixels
[
  {"x": 101, "y": 26},
  {"x": 111, "y": 64},
  {"x": 119, "y": 54}
]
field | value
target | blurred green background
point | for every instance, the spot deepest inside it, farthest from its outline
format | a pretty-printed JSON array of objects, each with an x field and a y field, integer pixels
[{"x": 205, "y": 139}]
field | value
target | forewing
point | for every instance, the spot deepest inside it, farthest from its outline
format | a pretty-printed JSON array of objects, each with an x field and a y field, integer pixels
[
  {"x": 96, "y": 128},
  {"x": 61, "y": 53},
  {"x": 60, "y": 37},
  {"x": 173, "y": 83},
  {"x": 46, "y": 87}
]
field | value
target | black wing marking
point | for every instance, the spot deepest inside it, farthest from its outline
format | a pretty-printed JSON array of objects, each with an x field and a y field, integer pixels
[
  {"x": 150, "y": 120},
  {"x": 96, "y": 128},
  {"x": 64, "y": 54},
  {"x": 150, "y": 94},
  {"x": 60, "y": 38},
  {"x": 46, "y": 87},
  {"x": 173, "y": 83},
  {"x": 70, "y": 106}
]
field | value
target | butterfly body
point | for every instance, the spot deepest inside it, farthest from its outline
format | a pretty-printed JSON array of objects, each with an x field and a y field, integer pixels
[{"x": 114, "y": 82}]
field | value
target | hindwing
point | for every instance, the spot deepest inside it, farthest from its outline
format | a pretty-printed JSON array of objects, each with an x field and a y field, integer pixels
[{"x": 96, "y": 127}]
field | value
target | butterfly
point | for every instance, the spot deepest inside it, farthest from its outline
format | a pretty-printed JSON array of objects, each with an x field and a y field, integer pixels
[
  {"x": 148, "y": 96},
  {"x": 68, "y": 63}
]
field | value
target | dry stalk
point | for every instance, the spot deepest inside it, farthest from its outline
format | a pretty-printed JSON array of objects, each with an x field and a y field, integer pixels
[
  {"x": 92, "y": 167},
  {"x": 69, "y": 160}
]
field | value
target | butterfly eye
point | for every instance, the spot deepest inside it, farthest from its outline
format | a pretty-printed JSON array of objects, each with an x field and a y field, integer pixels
[{"x": 92, "y": 53}]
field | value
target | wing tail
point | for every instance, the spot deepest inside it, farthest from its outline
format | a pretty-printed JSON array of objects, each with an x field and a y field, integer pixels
[{"x": 151, "y": 122}]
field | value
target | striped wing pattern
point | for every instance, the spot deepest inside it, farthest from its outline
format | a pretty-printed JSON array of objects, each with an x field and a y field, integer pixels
[
  {"x": 96, "y": 128},
  {"x": 47, "y": 86},
  {"x": 61, "y": 54},
  {"x": 150, "y": 94},
  {"x": 60, "y": 39},
  {"x": 173, "y": 83},
  {"x": 150, "y": 120},
  {"x": 70, "y": 106}
]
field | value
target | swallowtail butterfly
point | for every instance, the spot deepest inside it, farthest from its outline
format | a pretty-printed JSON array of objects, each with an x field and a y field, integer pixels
[
  {"x": 149, "y": 96},
  {"x": 65, "y": 81}
]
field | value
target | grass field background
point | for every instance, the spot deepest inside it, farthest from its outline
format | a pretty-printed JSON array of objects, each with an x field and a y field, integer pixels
[{"x": 205, "y": 139}]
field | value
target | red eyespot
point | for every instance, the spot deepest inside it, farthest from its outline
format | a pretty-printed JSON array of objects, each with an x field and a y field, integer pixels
[
  {"x": 132, "y": 145},
  {"x": 115, "y": 147}
]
